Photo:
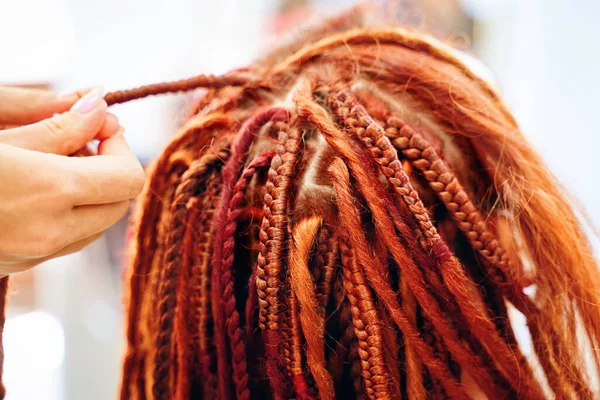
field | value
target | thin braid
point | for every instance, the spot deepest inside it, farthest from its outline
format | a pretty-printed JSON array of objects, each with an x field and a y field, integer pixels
[
  {"x": 294, "y": 330},
  {"x": 367, "y": 326},
  {"x": 225, "y": 314},
  {"x": 200, "y": 287},
  {"x": 341, "y": 183},
  {"x": 194, "y": 178},
  {"x": 388, "y": 328},
  {"x": 288, "y": 320},
  {"x": 355, "y": 368},
  {"x": 465, "y": 355},
  {"x": 328, "y": 249},
  {"x": 303, "y": 286},
  {"x": 373, "y": 137},
  {"x": 183, "y": 340},
  {"x": 270, "y": 257}
]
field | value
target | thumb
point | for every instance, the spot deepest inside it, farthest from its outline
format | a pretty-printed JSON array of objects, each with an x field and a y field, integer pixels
[{"x": 65, "y": 133}]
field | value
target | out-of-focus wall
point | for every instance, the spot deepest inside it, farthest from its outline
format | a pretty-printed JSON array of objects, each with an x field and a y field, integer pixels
[{"x": 545, "y": 55}]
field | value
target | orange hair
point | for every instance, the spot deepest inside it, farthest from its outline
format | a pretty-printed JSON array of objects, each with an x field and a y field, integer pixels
[{"x": 403, "y": 215}]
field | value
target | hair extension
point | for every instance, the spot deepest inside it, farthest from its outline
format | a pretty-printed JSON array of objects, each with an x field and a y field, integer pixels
[{"x": 355, "y": 215}]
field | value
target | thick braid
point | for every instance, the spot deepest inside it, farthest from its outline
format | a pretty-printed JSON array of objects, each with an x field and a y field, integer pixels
[
  {"x": 272, "y": 237},
  {"x": 3, "y": 297},
  {"x": 340, "y": 142},
  {"x": 192, "y": 180},
  {"x": 367, "y": 327},
  {"x": 373, "y": 137},
  {"x": 349, "y": 217}
]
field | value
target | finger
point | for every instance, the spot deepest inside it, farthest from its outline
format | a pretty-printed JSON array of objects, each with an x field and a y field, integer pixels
[
  {"x": 110, "y": 128},
  {"x": 70, "y": 249},
  {"x": 90, "y": 220},
  {"x": 20, "y": 106},
  {"x": 114, "y": 175},
  {"x": 116, "y": 145},
  {"x": 75, "y": 247},
  {"x": 65, "y": 133},
  {"x": 87, "y": 151}
]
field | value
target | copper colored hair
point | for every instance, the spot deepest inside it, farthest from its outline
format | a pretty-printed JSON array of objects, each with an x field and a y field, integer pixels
[{"x": 356, "y": 215}]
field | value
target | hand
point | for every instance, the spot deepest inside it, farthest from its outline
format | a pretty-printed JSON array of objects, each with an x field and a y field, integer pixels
[{"x": 52, "y": 204}]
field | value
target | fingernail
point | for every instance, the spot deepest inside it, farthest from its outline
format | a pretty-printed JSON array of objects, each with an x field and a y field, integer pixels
[{"x": 88, "y": 102}]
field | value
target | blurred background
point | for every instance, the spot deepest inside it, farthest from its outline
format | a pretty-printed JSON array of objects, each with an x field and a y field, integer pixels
[{"x": 64, "y": 335}]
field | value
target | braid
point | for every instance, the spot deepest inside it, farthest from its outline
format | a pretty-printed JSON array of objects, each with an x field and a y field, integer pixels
[
  {"x": 328, "y": 252},
  {"x": 200, "y": 302},
  {"x": 366, "y": 327},
  {"x": 272, "y": 235}
]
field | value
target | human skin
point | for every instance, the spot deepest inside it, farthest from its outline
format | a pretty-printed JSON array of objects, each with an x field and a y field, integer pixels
[{"x": 57, "y": 195}]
